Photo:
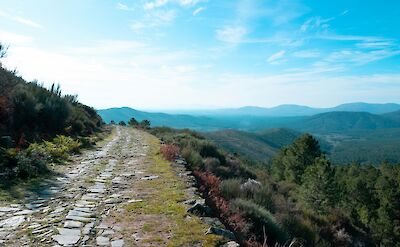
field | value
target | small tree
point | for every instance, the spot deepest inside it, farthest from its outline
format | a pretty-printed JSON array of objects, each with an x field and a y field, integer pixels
[
  {"x": 112, "y": 122},
  {"x": 145, "y": 124},
  {"x": 319, "y": 190},
  {"x": 133, "y": 122},
  {"x": 122, "y": 123}
]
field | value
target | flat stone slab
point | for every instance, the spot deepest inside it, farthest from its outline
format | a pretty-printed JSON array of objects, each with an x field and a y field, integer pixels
[
  {"x": 8, "y": 209},
  {"x": 12, "y": 222},
  {"x": 102, "y": 241},
  {"x": 117, "y": 243},
  {"x": 67, "y": 236},
  {"x": 149, "y": 177},
  {"x": 73, "y": 224}
]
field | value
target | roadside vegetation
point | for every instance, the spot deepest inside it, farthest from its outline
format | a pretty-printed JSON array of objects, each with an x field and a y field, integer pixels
[
  {"x": 39, "y": 126},
  {"x": 300, "y": 199}
]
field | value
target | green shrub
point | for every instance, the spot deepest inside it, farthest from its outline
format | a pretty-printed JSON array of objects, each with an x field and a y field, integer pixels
[
  {"x": 30, "y": 164},
  {"x": 193, "y": 158},
  {"x": 264, "y": 197},
  {"x": 230, "y": 188},
  {"x": 299, "y": 228},
  {"x": 58, "y": 149},
  {"x": 261, "y": 218},
  {"x": 211, "y": 164}
]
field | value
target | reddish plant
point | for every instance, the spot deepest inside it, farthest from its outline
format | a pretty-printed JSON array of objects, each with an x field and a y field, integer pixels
[
  {"x": 170, "y": 151},
  {"x": 234, "y": 221}
]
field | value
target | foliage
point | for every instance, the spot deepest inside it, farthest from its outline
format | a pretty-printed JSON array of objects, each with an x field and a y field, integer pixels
[
  {"x": 230, "y": 188},
  {"x": 318, "y": 188},
  {"x": 145, "y": 124},
  {"x": 30, "y": 113},
  {"x": 170, "y": 151},
  {"x": 133, "y": 122},
  {"x": 294, "y": 159},
  {"x": 122, "y": 123}
]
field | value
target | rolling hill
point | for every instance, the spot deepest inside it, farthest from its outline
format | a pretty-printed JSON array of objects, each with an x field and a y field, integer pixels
[
  {"x": 261, "y": 146},
  {"x": 289, "y": 110}
]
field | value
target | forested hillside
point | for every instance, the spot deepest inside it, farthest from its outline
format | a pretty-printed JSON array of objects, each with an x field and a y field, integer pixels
[{"x": 301, "y": 200}]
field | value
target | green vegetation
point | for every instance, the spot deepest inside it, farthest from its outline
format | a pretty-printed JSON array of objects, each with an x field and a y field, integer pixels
[
  {"x": 39, "y": 125},
  {"x": 164, "y": 195},
  {"x": 300, "y": 196}
]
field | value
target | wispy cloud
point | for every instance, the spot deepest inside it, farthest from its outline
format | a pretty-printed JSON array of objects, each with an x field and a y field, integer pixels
[
  {"x": 124, "y": 7},
  {"x": 307, "y": 54},
  {"x": 277, "y": 57},
  {"x": 21, "y": 20},
  {"x": 231, "y": 34},
  {"x": 150, "y": 5},
  {"x": 198, "y": 11},
  {"x": 14, "y": 38},
  {"x": 316, "y": 22}
]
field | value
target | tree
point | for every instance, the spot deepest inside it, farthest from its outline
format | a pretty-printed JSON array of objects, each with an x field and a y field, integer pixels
[
  {"x": 112, "y": 122},
  {"x": 122, "y": 123},
  {"x": 294, "y": 159},
  {"x": 133, "y": 122},
  {"x": 318, "y": 190},
  {"x": 145, "y": 124}
]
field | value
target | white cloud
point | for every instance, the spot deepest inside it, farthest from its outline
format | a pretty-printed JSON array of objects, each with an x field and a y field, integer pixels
[
  {"x": 360, "y": 57},
  {"x": 231, "y": 34},
  {"x": 154, "y": 4},
  {"x": 137, "y": 26},
  {"x": 20, "y": 19},
  {"x": 315, "y": 22},
  {"x": 276, "y": 57},
  {"x": 198, "y": 11},
  {"x": 307, "y": 54},
  {"x": 13, "y": 38},
  {"x": 124, "y": 7}
]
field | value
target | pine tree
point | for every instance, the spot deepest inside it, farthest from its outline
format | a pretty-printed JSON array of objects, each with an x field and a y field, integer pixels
[{"x": 318, "y": 190}]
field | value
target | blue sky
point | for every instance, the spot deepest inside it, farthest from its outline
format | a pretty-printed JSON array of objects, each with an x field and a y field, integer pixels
[{"x": 181, "y": 54}]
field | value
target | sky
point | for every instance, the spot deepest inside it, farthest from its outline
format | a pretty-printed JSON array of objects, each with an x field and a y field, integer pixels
[{"x": 202, "y": 54}]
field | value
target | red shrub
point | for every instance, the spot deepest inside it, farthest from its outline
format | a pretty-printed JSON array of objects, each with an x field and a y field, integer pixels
[
  {"x": 170, "y": 151},
  {"x": 234, "y": 221}
]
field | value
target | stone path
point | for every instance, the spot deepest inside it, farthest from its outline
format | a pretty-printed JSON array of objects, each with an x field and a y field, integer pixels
[{"x": 70, "y": 210}]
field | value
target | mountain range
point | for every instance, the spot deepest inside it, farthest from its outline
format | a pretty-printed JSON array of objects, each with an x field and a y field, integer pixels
[
  {"x": 289, "y": 110},
  {"x": 373, "y": 116}
]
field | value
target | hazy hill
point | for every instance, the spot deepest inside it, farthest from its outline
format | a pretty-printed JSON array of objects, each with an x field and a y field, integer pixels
[
  {"x": 293, "y": 110},
  {"x": 346, "y": 121},
  {"x": 261, "y": 146}
]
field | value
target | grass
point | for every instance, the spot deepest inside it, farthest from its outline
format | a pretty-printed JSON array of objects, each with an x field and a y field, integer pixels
[{"x": 166, "y": 193}]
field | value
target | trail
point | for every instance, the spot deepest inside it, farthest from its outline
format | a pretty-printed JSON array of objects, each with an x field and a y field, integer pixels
[{"x": 69, "y": 210}]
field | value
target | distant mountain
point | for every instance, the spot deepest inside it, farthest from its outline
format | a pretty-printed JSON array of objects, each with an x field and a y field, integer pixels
[
  {"x": 261, "y": 146},
  {"x": 346, "y": 121},
  {"x": 294, "y": 110},
  {"x": 157, "y": 119}
]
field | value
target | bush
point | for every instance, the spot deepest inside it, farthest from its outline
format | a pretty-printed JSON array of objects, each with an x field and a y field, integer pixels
[
  {"x": 211, "y": 164},
  {"x": 193, "y": 158},
  {"x": 264, "y": 196},
  {"x": 59, "y": 149},
  {"x": 30, "y": 164},
  {"x": 261, "y": 218},
  {"x": 170, "y": 151},
  {"x": 230, "y": 188}
]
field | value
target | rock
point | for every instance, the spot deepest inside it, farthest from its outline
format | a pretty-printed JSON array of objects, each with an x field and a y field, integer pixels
[
  {"x": 73, "y": 224},
  {"x": 117, "y": 243},
  {"x": 87, "y": 228},
  {"x": 221, "y": 232},
  {"x": 107, "y": 233},
  {"x": 8, "y": 209},
  {"x": 102, "y": 241},
  {"x": 134, "y": 200},
  {"x": 231, "y": 244},
  {"x": 24, "y": 212},
  {"x": 13, "y": 222},
  {"x": 67, "y": 236},
  {"x": 149, "y": 177},
  {"x": 200, "y": 209}
]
